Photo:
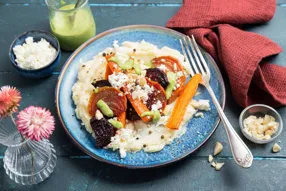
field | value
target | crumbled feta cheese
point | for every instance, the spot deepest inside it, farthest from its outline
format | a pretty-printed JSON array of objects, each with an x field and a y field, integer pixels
[
  {"x": 156, "y": 106},
  {"x": 162, "y": 67},
  {"x": 201, "y": 104},
  {"x": 163, "y": 60},
  {"x": 115, "y": 44},
  {"x": 118, "y": 80},
  {"x": 180, "y": 74},
  {"x": 141, "y": 92},
  {"x": 120, "y": 94},
  {"x": 98, "y": 115},
  {"x": 261, "y": 128},
  {"x": 199, "y": 114},
  {"x": 122, "y": 153},
  {"x": 34, "y": 55}
]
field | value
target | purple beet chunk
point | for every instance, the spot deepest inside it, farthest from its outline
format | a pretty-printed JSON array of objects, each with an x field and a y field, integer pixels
[
  {"x": 101, "y": 83},
  {"x": 157, "y": 75},
  {"x": 103, "y": 131}
]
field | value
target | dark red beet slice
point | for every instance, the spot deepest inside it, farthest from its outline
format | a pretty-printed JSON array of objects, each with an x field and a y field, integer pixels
[
  {"x": 101, "y": 83},
  {"x": 131, "y": 114},
  {"x": 157, "y": 75},
  {"x": 103, "y": 131},
  {"x": 158, "y": 94}
]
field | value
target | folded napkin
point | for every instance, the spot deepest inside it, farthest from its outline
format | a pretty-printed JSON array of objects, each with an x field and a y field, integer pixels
[{"x": 241, "y": 54}]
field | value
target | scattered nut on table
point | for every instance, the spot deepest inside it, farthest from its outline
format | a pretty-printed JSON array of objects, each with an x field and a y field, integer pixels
[
  {"x": 218, "y": 166},
  {"x": 213, "y": 164},
  {"x": 276, "y": 148},
  {"x": 218, "y": 148},
  {"x": 211, "y": 158}
]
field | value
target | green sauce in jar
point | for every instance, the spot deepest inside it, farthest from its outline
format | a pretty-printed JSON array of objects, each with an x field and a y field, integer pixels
[{"x": 72, "y": 28}]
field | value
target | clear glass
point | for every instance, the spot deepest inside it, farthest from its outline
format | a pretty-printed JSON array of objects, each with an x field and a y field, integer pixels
[
  {"x": 25, "y": 161},
  {"x": 72, "y": 26}
]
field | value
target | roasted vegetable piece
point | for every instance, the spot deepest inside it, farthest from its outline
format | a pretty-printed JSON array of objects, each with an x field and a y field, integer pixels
[
  {"x": 103, "y": 131},
  {"x": 183, "y": 102},
  {"x": 111, "y": 96},
  {"x": 137, "y": 104},
  {"x": 157, "y": 95},
  {"x": 101, "y": 83},
  {"x": 157, "y": 75},
  {"x": 172, "y": 65},
  {"x": 131, "y": 114}
]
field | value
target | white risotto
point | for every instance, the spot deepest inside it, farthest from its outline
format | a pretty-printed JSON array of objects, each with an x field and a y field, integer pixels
[{"x": 137, "y": 135}]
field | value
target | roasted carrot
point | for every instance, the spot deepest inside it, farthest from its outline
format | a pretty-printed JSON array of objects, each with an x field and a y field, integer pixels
[
  {"x": 183, "y": 102},
  {"x": 107, "y": 72},
  {"x": 122, "y": 118}
]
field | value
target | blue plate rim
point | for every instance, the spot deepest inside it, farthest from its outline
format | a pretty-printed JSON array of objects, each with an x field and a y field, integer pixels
[{"x": 78, "y": 50}]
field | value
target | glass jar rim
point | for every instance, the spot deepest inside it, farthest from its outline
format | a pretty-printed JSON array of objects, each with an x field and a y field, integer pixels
[{"x": 65, "y": 11}]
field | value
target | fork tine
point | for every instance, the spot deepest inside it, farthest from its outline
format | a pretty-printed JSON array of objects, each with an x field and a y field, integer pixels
[
  {"x": 186, "y": 57},
  {"x": 190, "y": 56},
  {"x": 196, "y": 55},
  {"x": 200, "y": 55}
]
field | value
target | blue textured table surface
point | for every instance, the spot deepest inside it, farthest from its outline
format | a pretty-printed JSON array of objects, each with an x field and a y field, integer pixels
[{"x": 76, "y": 171}]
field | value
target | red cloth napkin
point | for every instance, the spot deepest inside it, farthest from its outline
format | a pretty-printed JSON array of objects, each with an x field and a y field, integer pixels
[{"x": 241, "y": 54}]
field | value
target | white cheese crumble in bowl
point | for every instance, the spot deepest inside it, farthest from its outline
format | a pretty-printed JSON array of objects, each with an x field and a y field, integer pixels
[
  {"x": 35, "y": 54},
  {"x": 260, "y": 123}
]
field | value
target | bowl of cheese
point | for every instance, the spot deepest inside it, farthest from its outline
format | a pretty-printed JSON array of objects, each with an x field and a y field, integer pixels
[
  {"x": 260, "y": 123},
  {"x": 35, "y": 54}
]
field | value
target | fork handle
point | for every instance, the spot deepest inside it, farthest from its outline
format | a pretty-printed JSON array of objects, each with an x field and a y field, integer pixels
[{"x": 241, "y": 153}]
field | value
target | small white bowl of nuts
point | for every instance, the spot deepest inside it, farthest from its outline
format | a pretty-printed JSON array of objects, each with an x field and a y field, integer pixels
[{"x": 260, "y": 123}]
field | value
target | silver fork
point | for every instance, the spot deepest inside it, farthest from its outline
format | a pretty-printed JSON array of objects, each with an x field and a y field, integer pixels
[{"x": 241, "y": 154}]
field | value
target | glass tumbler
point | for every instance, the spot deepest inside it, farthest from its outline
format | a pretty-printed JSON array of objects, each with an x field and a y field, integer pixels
[{"x": 72, "y": 26}]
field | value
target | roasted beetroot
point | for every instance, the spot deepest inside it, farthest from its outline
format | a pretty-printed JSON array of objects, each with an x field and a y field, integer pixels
[
  {"x": 158, "y": 94},
  {"x": 131, "y": 114},
  {"x": 157, "y": 75},
  {"x": 112, "y": 97},
  {"x": 101, "y": 83},
  {"x": 103, "y": 131}
]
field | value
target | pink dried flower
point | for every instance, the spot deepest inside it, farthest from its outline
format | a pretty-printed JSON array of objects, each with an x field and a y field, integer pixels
[
  {"x": 10, "y": 98},
  {"x": 35, "y": 123}
]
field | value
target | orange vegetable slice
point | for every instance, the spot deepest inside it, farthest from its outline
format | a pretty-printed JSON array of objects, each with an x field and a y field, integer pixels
[
  {"x": 183, "y": 102},
  {"x": 111, "y": 96}
]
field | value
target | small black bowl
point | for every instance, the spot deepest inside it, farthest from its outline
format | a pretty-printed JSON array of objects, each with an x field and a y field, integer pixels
[{"x": 37, "y": 35}]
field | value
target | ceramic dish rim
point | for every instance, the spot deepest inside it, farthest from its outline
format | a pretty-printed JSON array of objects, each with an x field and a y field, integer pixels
[{"x": 77, "y": 51}]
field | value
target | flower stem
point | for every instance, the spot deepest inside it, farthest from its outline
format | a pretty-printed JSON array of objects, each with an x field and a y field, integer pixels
[{"x": 30, "y": 150}]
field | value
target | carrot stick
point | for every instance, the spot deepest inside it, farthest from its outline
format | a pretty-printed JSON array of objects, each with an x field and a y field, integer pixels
[
  {"x": 107, "y": 72},
  {"x": 183, "y": 102},
  {"x": 122, "y": 118}
]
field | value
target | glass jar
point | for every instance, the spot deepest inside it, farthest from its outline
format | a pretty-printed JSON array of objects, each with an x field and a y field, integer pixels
[
  {"x": 26, "y": 162},
  {"x": 72, "y": 26}
]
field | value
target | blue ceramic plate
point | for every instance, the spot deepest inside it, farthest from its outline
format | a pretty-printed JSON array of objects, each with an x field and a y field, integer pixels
[{"x": 198, "y": 131}]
